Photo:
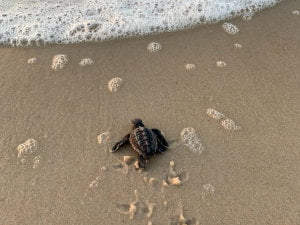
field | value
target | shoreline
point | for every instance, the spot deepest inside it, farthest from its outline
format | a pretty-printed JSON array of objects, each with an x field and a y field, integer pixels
[
  {"x": 136, "y": 37},
  {"x": 106, "y": 21}
]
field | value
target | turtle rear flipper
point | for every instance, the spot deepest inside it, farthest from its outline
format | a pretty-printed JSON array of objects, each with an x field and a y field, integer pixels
[
  {"x": 161, "y": 148},
  {"x": 160, "y": 137},
  {"x": 141, "y": 162},
  {"x": 125, "y": 140}
]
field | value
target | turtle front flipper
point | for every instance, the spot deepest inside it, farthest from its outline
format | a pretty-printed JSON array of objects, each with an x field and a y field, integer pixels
[
  {"x": 119, "y": 143},
  {"x": 161, "y": 139}
]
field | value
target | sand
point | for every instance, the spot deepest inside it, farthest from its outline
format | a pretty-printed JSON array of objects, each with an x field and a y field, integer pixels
[{"x": 244, "y": 176}]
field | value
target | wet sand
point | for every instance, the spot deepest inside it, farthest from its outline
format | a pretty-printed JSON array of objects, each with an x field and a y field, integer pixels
[{"x": 247, "y": 176}]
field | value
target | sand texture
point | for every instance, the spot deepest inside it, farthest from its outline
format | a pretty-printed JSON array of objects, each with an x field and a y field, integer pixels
[{"x": 232, "y": 121}]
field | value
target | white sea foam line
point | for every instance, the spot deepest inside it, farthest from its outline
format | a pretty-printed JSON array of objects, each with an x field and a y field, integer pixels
[{"x": 53, "y": 21}]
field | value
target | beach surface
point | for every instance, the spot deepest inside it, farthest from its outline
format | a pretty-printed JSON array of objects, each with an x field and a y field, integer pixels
[{"x": 242, "y": 172}]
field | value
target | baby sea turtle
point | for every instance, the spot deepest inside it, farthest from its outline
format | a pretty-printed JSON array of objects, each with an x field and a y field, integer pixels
[{"x": 143, "y": 140}]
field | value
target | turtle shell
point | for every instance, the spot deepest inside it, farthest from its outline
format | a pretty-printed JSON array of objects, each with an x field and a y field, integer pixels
[{"x": 144, "y": 141}]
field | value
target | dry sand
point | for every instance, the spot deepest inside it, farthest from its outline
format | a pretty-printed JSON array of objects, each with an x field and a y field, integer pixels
[{"x": 248, "y": 176}]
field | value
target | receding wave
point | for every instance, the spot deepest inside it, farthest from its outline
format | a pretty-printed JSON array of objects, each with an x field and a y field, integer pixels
[{"x": 27, "y": 22}]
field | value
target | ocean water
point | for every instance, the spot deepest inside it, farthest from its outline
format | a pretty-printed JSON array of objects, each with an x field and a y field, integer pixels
[{"x": 26, "y": 22}]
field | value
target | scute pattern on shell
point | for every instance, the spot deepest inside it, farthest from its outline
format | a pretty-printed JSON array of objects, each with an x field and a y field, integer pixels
[
  {"x": 146, "y": 142},
  {"x": 143, "y": 141}
]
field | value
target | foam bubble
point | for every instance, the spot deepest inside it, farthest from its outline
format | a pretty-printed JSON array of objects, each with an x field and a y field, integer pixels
[
  {"x": 209, "y": 188},
  {"x": 114, "y": 84},
  {"x": 226, "y": 122},
  {"x": 214, "y": 114},
  {"x": 191, "y": 139},
  {"x": 104, "y": 138},
  {"x": 237, "y": 45},
  {"x": 31, "y": 61},
  {"x": 27, "y": 148},
  {"x": 221, "y": 64},
  {"x": 59, "y": 61},
  {"x": 296, "y": 12},
  {"x": 86, "y": 62},
  {"x": 190, "y": 66},
  {"x": 94, "y": 20},
  {"x": 230, "y": 28},
  {"x": 229, "y": 124},
  {"x": 154, "y": 47},
  {"x": 36, "y": 162},
  {"x": 247, "y": 16}
]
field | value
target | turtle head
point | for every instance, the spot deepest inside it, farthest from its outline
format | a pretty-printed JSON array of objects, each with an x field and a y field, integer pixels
[{"x": 137, "y": 123}]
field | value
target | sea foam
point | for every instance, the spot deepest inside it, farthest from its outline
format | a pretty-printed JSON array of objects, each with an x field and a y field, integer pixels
[{"x": 40, "y": 22}]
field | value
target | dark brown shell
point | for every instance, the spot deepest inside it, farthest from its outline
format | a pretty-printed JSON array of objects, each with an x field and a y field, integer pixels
[{"x": 144, "y": 141}]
